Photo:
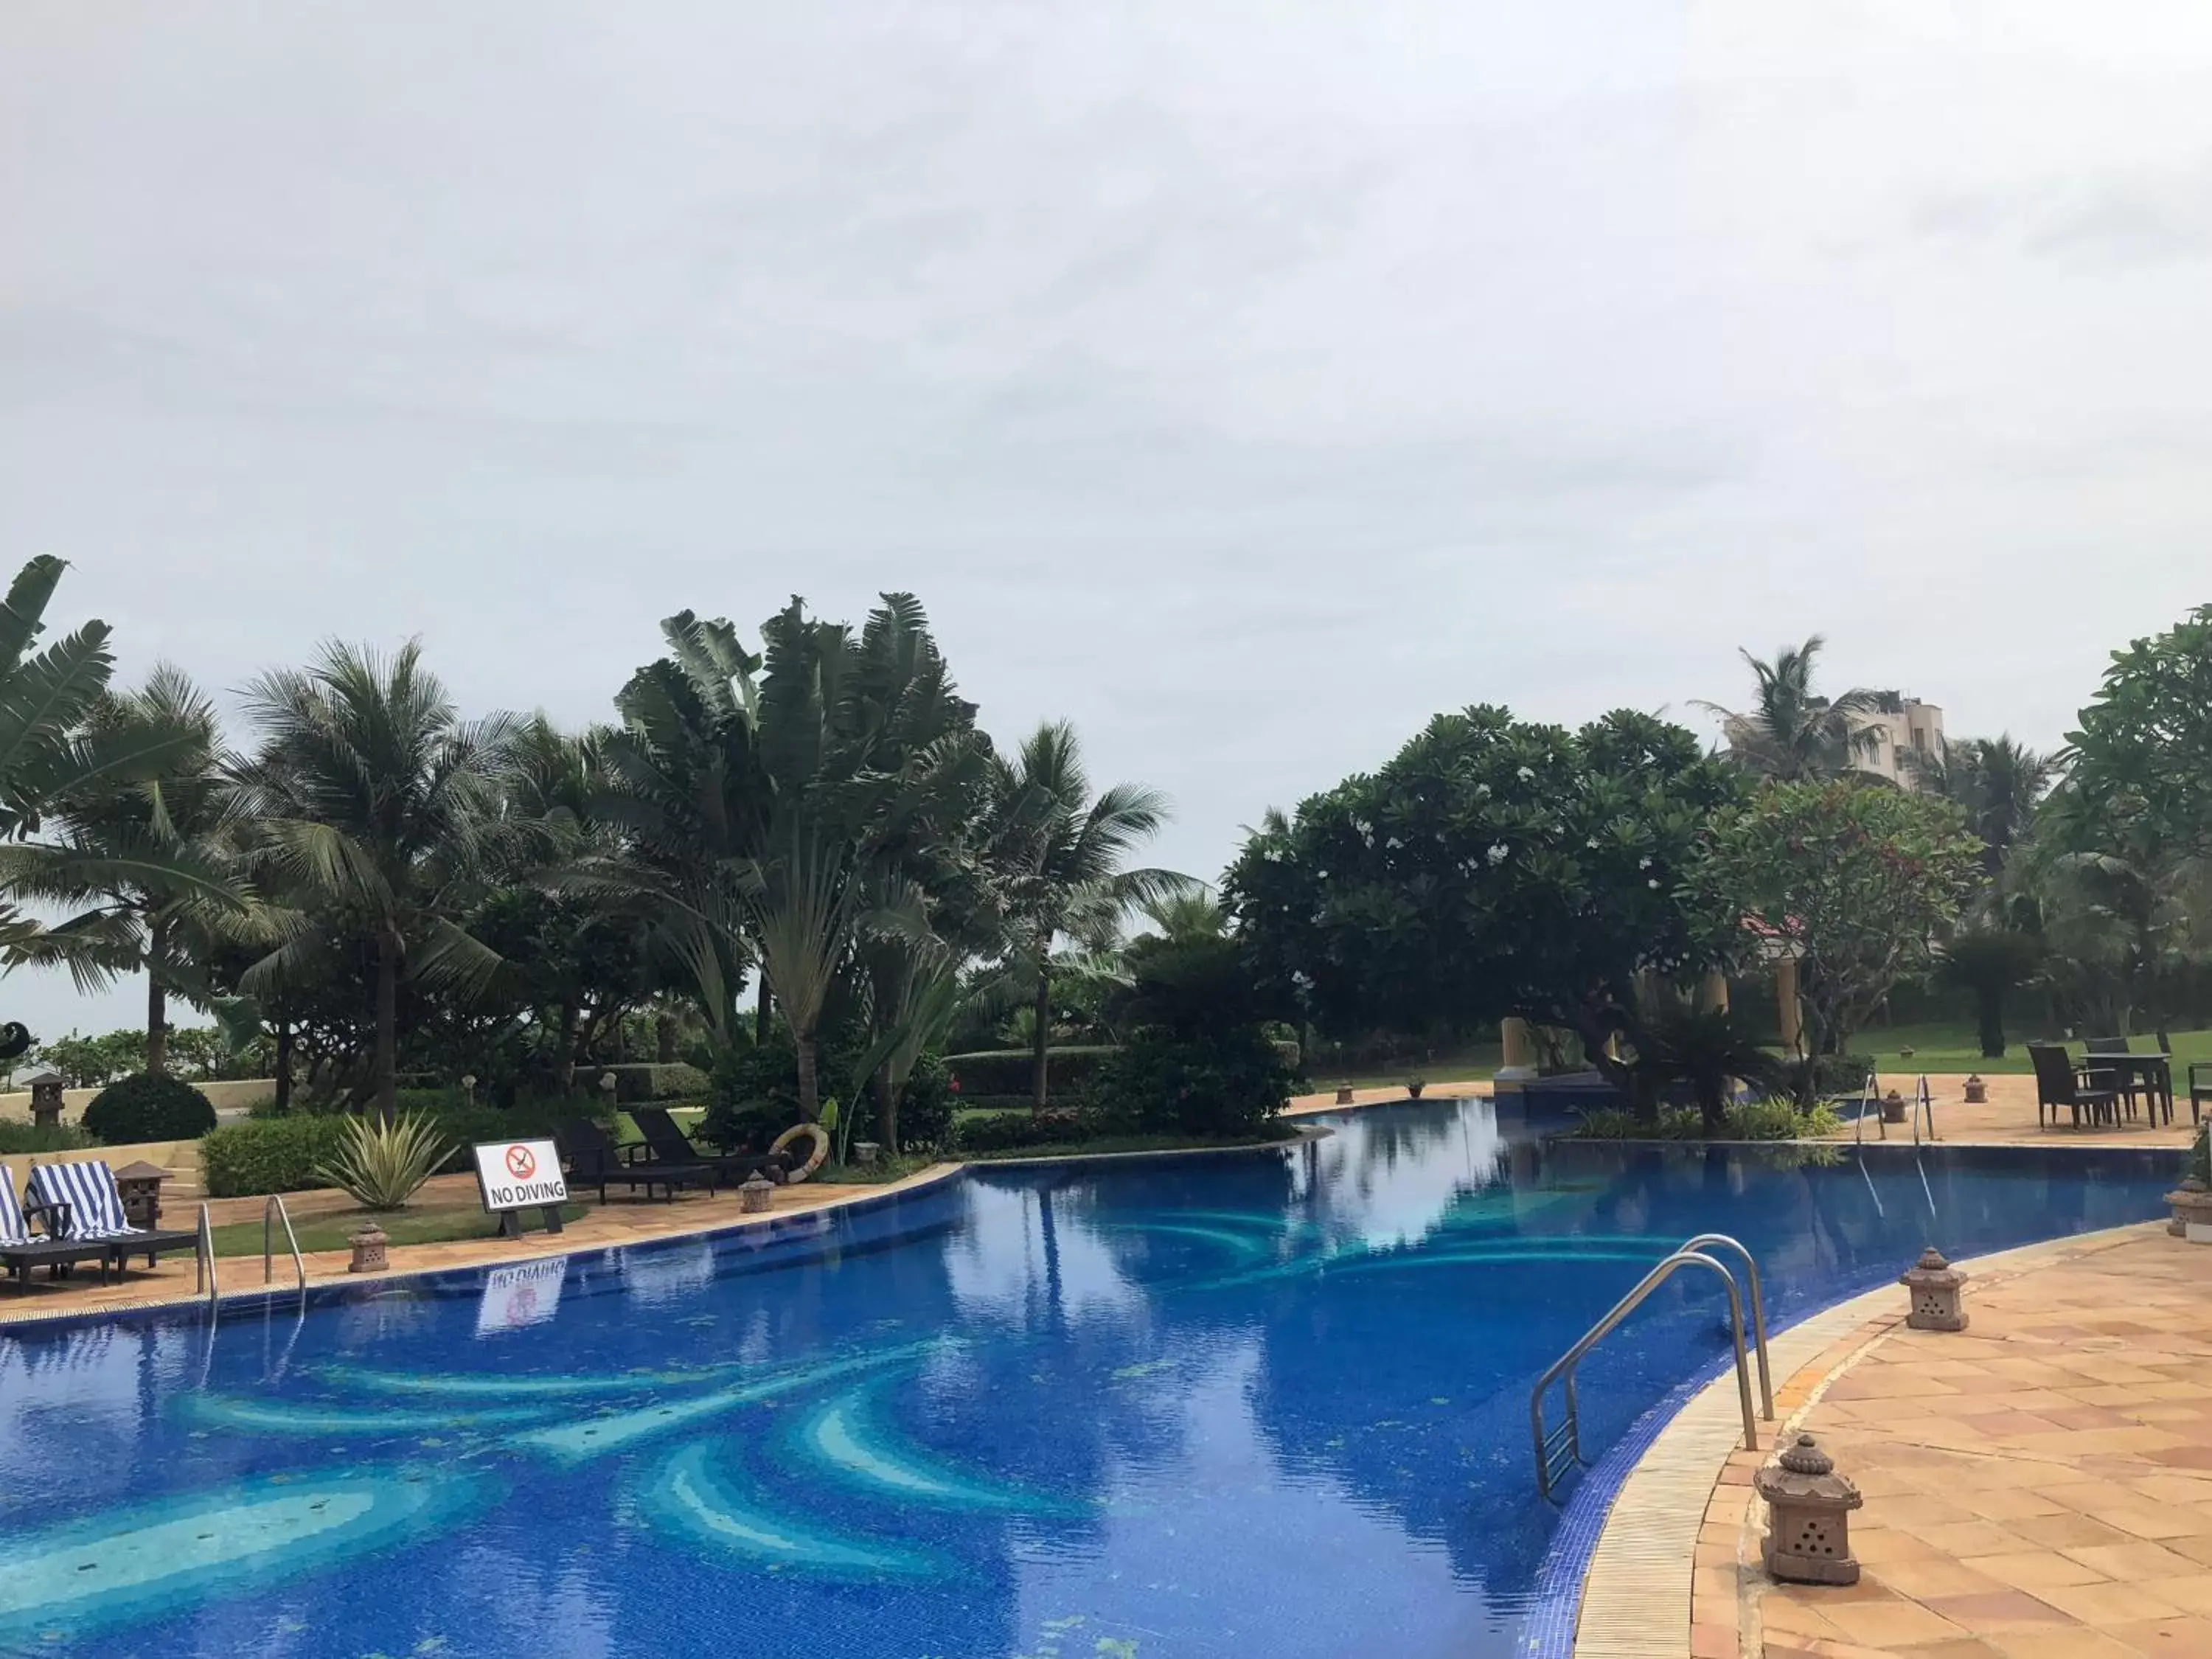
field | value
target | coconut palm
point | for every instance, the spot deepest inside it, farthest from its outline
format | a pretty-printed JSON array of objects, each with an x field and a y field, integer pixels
[
  {"x": 46, "y": 753},
  {"x": 1997, "y": 782},
  {"x": 1791, "y": 733},
  {"x": 374, "y": 807},
  {"x": 153, "y": 860},
  {"x": 1057, "y": 852}
]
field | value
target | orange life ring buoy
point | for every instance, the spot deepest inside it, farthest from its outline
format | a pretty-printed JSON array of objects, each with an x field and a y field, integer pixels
[{"x": 815, "y": 1159}]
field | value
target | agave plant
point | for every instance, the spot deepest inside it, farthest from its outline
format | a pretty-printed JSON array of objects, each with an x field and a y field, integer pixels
[{"x": 382, "y": 1164}]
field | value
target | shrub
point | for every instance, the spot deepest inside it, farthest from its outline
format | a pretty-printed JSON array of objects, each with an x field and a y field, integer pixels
[
  {"x": 1757, "y": 1119},
  {"x": 381, "y": 1165},
  {"x": 148, "y": 1106},
  {"x": 1840, "y": 1076},
  {"x": 1225, "y": 1083},
  {"x": 267, "y": 1155},
  {"x": 925, "y": 1112},
  {"x": 1002, "y": 1132},
  {"x": 16, "y": 1139},
  {"x": 1012, "y": 1072}
]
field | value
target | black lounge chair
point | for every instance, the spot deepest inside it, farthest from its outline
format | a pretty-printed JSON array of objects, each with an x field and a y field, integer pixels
[
  {"x": 593, "y": 1159},
  {"x": 21, "y": 1249},
  {"x": 2060, "y": 1082},
  {"x": 84, "y": 1198},
  {"x": 667, "y": 1144}
]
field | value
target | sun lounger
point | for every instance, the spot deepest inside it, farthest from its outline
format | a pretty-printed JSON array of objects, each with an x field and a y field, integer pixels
[
  {"x": 594, "y": 1160},
  {"x": 668, "y": 1144},
  {"x": 91, "y": 1209},
  {"x": 21, "y": 1249}
]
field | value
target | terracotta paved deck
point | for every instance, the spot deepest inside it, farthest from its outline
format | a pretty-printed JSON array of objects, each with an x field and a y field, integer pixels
[
  {"x": 2039, "y": 1486},
  {"x": 2008, "y": 1117},
  {"x": 622, "y": 1222}
]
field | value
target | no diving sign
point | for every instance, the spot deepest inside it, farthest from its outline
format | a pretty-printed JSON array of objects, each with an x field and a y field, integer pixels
[{"x": 521, "y": 1174}]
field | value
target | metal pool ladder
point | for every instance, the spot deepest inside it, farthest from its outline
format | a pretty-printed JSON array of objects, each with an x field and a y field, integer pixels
[
  {"x": 1561, "y": 1450},
  {"x": 203, "y": 1251},
  {"x": 275, "y": 1210},
  {"x": 1923, "y": 1106}
]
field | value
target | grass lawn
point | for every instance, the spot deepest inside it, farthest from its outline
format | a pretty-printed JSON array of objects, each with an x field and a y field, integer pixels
[
  {"x": 1462, "y": 1065},
  {"x": 1942, "y": 1048},
  {"x": 418, "y": 1223}
]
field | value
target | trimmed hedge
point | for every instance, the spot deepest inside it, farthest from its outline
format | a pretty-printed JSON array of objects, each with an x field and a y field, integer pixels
[
  {"x": 1013, "y": 1071},
  {"x": 148, "y": 1106},
  {"x": 267, "y": 1155},
  {"x": 279, "y": 1154},
  {"x": 1011, "y": 1130}
]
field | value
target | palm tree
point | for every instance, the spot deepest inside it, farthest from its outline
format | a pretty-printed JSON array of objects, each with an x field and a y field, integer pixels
[
  {"x": 1790, "y": 733},
  {"x": 1998, "y": 783},
  {"x": 154, "y": 860},
  {"x": 374, "y": 807},
  {"x": 46, "y": 753},
  {"x": 1057, "y": 853}
]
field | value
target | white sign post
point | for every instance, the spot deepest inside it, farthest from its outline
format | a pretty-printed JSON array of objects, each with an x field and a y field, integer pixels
[{"x": 520, "y": 1174}]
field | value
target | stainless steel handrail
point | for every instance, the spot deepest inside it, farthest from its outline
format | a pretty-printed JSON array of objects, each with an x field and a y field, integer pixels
[
  {"x": 1758, "y": 1311},
  {"x": 1869, "y": 1095},
  {"x": 1567, "y": 1438},
  {"x": 274, "y": 1207},
  {"x": 1924, "y": 1101},
  {"x": 204, "y": 1248}
]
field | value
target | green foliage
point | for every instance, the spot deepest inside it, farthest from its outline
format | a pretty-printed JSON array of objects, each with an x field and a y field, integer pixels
[
  {"x": 2200, "y": 1154},
  {"x": 16, "y": 1139},
  {"x": 380, "y": 1164},
  {"x": 1493, "y": 867},
  {"x": 148, "y": 1106},
  {"x": 1223, "y": 1083},
  {"x": 638, "y": 1084},
  {"x": 1841, "y": 1077},
  {"x": 268, "y": 1155},
  {"x": 925, "y": 1111},
  {"x": 1791, "y": 733},
  {"x": 1757, "y": 1119},
  {"x": 1708, "y": 1049},
  {"x": 2142, "y": 760},
  {"x": 1012, "y": 1131},
  {"x": 1861, "y": 879},
  {"x": 87, "y": 1062},
  {"x": 1008, "y": 1071}
]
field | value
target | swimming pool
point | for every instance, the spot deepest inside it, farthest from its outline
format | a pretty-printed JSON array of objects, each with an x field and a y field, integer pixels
[{"x": 1273, "y": 1403}]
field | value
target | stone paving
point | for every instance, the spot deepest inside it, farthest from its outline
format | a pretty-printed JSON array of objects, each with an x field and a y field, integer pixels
[
  {"x": 2039, "y": 1486},
  {"x": 2008, "y": 1117},
  {"x": 620, "y": 1222}
]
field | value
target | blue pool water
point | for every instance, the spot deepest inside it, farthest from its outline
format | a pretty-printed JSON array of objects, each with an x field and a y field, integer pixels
[{"x": 1268, "y": 1404}]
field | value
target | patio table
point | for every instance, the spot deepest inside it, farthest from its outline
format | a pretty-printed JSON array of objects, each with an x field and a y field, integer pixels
[{"x": 2152, "y": 1073}]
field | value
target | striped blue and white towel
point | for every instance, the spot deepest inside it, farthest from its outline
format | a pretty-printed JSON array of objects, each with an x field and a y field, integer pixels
[
  {"x": 95, "y": 1207},
  {"x": 14, "y": 1230}
]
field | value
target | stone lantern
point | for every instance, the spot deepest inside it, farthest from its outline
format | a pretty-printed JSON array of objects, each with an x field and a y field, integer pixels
[
  {"x": 1977, "y": 1092},
  {"x": 1892, "y": 1107},
  {"x": 139, "y": 1185},
  {"x": 758, "y": 1193},
  {"x": 1808, "y": 1527},
  {"x": 2193, "y": 1211},
  {"x": 46, "y": 1100},
  {"x": 1935, "y": 1284},
  {"x": 368, "y": 1247}
]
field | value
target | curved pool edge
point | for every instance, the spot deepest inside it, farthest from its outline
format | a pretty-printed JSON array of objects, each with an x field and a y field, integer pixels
[
  {"x": 1617, "y": 1578},
  {"x": 333, "y": 1289}
]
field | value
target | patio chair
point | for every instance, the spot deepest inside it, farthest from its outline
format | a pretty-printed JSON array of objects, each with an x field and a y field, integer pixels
[
  {"x": 592, "y": 1159},
  {"x": 91, "y": 1209},
  {"x": 2124, "y": 1078},
  {"x": 21, "y": 1249},
  {"x": 2060, "y": 1082},
  {"x": 667, "y": 1144},
  {"x": 2200, "y": 1088}
]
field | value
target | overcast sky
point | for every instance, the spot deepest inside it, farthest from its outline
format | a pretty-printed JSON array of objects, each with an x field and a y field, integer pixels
[{"x": 1245, "y": 379}]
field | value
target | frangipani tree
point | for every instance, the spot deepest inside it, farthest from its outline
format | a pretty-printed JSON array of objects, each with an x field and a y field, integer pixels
[{"x": 1864, "y": 881}]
